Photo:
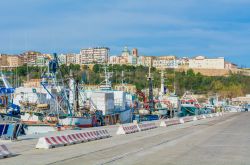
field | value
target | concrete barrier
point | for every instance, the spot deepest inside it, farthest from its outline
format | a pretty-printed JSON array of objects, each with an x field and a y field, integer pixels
[
  {"x": 48, "y": 142},
  {"x": 66, "y": 140},
  {"x": 169, "y": 122},
  {"x": 146, "y": 126},
  {"x": 72, "y": 139},
  {"x": 86, "y": 136},
  {"x": 4, "y": 152},
  {"x": 63, "y": 140},
  {"x": 104, "y": 133},
  {"x": 97, "y": 134},
  {"x": 91, "y": 136},
  {"x": 127, "y": 129},
  {"x": 81, "y": 138}
]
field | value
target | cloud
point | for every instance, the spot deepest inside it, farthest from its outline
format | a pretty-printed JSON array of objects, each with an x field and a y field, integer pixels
[{"x": 156, "y": 27}]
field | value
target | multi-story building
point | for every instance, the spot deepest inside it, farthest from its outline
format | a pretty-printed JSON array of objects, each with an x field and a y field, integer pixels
[
  {"x": 3, "y": 60},
  {"x": 30, "y": 57},
  {"x": 62, "y": 58},
  {"x": 114, "y": 60},
  {"x": 41, "y": 60},
  {"x": 98, "y": 55},
  {"x": 201, "y": 62},
  {"x": 163, "y": 62},
  {"x": 14, "y": 61},
  {"x": 132, "y": 60},
  {"x": 183, "y": 62},
  {"x": 145, "y": 60},
  {"x": 70, "y": 58},
  {"x": 78, "y": 59}
]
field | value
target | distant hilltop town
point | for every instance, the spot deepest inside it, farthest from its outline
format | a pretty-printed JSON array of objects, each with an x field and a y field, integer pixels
[{"x": 101, "y": 55}]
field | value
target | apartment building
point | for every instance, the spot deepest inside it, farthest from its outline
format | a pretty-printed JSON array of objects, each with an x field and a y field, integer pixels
[
  {"x": 70, "y": 58},
  {"x": 14, "y": 61},
  {"x": 98, "y": 55},
  {"x": 3, "y": 60},
  {"x": 41, "y": 60},
  {"x": 145, "y": 60},
  {"x": 62, "y": 58},
  {"x": 30, "y": 57},
  {"x": 163, "y": 62}
]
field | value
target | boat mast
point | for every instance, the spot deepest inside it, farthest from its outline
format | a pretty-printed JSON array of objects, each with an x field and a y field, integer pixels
[
  {"x": 106, "y": 84},
  {"x": 162, "y": 83},
  {"x": 71, "y": 92},
  {"x": 123, "y": 85},
  {"x": 150, "y": 94}
]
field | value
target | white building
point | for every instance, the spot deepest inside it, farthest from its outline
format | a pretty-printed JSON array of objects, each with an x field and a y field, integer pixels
[
  {"x": 184, "y": 61},
  {"x": 114, "y": 59},
  {"x": 201, "y": 62},
  {"x": 94, "y": 55},
  {"x": 78, "y": 59},
  {"x": 62, "y": 58},
  {"x": 71, "y": 58},
  {"x": 163, "y": 62}
]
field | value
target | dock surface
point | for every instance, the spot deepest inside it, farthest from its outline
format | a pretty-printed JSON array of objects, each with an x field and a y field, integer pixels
[{"x": 218, "y": 141}]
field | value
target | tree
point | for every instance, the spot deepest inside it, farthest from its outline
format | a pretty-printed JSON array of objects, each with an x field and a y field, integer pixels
[
  {"x": 96, "y": 68},
  {"x": 190, "y": 72}
]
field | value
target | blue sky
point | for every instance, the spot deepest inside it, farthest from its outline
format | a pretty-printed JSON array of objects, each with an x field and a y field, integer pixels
[{"x": 213, "y": 28}]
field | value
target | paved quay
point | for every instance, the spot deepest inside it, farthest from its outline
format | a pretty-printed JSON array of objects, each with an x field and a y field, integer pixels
[{"x": 217, "y": 141}]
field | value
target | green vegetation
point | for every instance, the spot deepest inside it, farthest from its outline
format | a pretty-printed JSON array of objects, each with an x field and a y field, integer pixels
[{"x": 231, "y": 86}]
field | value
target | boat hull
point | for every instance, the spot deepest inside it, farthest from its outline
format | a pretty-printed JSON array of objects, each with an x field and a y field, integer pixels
[
  {"x": 76, "y": 121},
  {"x": 30, "y": 129},
  {"x": 126, "y": 116}
]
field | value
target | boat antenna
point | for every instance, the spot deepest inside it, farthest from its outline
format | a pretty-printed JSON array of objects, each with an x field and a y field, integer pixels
[{"x": 106, "y": 84}]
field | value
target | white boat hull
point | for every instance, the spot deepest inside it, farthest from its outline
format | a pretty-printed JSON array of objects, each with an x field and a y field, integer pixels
[
  {"x": 76, "y": 121},
  {"x": 37, "y": 129},
  {"x": 30, "y": 118}
]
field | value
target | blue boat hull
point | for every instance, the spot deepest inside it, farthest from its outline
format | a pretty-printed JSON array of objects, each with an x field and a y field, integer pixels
[{"x": 3, "y": 129}]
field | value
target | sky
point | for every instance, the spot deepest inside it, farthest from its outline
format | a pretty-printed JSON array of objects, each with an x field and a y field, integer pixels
[{"x": 185, "y": 28}]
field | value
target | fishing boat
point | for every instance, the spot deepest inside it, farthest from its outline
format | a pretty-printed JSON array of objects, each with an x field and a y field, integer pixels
[
  {"x": 112, "y": 104},
  {"x": 58, "y": 105},
  {"x": 55, "y": 102},
  {"x": 189, "y": 105}
]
